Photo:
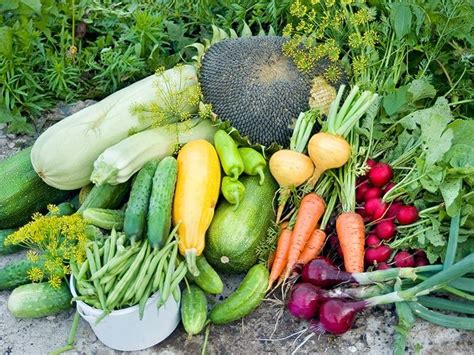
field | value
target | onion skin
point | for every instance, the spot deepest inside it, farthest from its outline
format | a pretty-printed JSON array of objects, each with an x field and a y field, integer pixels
[
  {"x": 305, "y": 300},
  {"x": 290, "y": 168},
  {"x": 337, "y": 316},
  {"x": 327, "y": 151},
  {"x": 322, "y": 273}
]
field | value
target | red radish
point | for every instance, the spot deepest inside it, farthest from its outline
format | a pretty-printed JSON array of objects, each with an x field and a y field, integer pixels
[
  {"x": 383, "y": 266},
  {"x": 323, "y": 273},
  {"x": 362, "y": 212},
  {"x": 385, "y": 229},
  {"x": 371, "y": 206},
  {"x": 305, "y": 300},
  {"x": 419, "y": 253},
  {"x": 360, "y": 180},
  {"x": 393, "y": 209},
  {"x": 421, "y": 261},
  {"x": 377, "y": 255},
  {"x": 404, "y": 259},
  {"x": 361, "y": 190},
  {"x": 380, "y": 174},
  {"x": 407, "y": 214},
  {"x": 372, "y": 241},
  {"x": 372, "y": 192},
  {"x": 387, "y": 188},
  {"x": 337, "y": 316},
  {"x": 371, "y": 163}
]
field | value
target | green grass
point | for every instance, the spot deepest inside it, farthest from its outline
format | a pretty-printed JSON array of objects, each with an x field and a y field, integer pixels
[{"x": 117, "y": 43}]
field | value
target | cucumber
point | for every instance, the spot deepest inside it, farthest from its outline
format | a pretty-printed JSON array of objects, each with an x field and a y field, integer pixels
[
  {"x": 137, "y": 206},
  {"x": 104, "y": 218},
  {"x": 106, "y": 196},
  {"x": 15, "y": 274},
  {"x": 7, "y": 249},
  {"x": 193, "y": 310},
  {"x": 161, "y": 201},
  {"x": 234, "y": 236},
  {"x": 208, "y": 279},
  {"x": 64, "y": 209},
  {"x": 39, "y": 300},
  {"x": 242, "y": 302},
  {"x": 22, "y": 192}
]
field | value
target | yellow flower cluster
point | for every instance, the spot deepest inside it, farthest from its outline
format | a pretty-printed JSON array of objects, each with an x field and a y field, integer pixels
[
  {"x": 53, "y": 240},
  {"x": 359, "y": 64}
]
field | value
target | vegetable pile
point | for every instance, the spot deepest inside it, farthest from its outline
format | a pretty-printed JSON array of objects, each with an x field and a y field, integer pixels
[{"x": 368, "y": 203}]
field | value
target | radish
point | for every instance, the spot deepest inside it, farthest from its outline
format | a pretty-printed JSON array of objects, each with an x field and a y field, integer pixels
[
  {"x": 385, "y": 229},
  {"x": 372, "y": 241},
  {"x": 421, "y": 262},
  {"x": 371, "y": 163},
  {"x": 361, "y": 190},
  {"x": 383, "y": 266},
  {"x": 404, "y": 259},
  {"x": 407, "y": 214},
  {"x": 393, "y": 209},
  {"x": 373, "y": 206},
  {"x": 380, "y": 174},
  {"x": 305, "y": 300},
  {"x": 387, "y": 188},
  {"x": 377, "y": 255},
  {"x": 372, "y": 192}
]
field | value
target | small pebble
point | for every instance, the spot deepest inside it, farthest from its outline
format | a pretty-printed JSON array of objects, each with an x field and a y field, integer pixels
[
  {"x": 352, "y": 349},
  {"x": 51, "y": 317},
  {"x": 11, "y": 145}
]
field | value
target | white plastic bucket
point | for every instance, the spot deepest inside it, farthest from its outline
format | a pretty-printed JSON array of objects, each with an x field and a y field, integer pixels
[{"x": 123, "y": 330}]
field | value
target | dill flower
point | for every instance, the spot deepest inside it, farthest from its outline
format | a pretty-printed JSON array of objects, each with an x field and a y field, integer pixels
[
  {"x": 288, "y": 30},
  {"x": 297, "y": 9},
  {"x": 332, "y": 50},
  {"x": 359, "y": 64},
  {"x": 315, "y": 2},
  {"x": 362, "y": 17},
  {"x": 35, "y": 274},
  {"x": 53, "y": 209},
  {"x": 355, "y": 40},
  {"x": 54, "y": 241},
  {"x": 332, "y": 73},
  {"x": 370, "y": 38}
]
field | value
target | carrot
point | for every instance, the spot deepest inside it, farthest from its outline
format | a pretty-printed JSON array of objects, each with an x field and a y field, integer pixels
[
  {"x": 281, "y": 254},
  {"x": 351, "y": 234},
  {"x": 311, "y": 209},
  {"x": 313, "y": 247}
]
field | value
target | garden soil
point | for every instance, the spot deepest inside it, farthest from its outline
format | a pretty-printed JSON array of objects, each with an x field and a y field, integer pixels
[{"x": 260, "y": 333}]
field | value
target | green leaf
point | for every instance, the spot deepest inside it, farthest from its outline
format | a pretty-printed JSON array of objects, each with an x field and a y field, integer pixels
[
  {"x": 436, "y": 137},
  {"x": 20, "y": 125},
  {"x": 421, "y": 89},
  {"x": 7, "y": 5},
  {"x": 393, "y": 102},
  {"x": 35, "y": 5},
  {"x": 463, "y": 131},
  {"x": 6, "y": 41},
  {"x": 451, "y": 191},
  {"x": 401, "y": 18}
]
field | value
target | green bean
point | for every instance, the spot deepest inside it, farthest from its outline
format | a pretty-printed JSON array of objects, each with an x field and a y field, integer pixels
[
  {"x": 97, "y": 285},
  {"x": 159, "y": 269},
  {"x": 113, "y": 243},
  {"x": 116, "y": 261},
  {"x": 163, "y": 277},
  {"x": 105, "y": 255},
  {"x": 169, "y": 275},
  {"x": 118, "y": 291},
  {"x": 142, "y": 302},
  {"x": 83, "y": 270},
  {"x": 74, "y": 268},
  {"x": 178, "y": 276},
  {"x": 110, "y": 284},
  {"x": 176, "y": 294},
  {"x": 85, "y": 291},
  {"x": 149, "y": 274},
  {"x": 129, "y": 295},
  {"x": 97, "y": 260}
]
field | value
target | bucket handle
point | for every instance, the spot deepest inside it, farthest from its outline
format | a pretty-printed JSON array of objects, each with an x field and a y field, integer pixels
[{"x": 89, "y": 319}]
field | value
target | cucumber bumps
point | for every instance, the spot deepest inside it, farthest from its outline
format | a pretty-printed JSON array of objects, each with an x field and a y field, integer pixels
[
  {"x": 245, "y": 299},
  {"x": 161, "y": 201}
]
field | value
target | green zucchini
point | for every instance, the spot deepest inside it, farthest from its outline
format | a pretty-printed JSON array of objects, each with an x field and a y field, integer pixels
[
  {"x": 233, "y": 237},
  {"x": 193, "y": 310},
  {"x": 106, "y": 196},
  {"x": 15, "y": 274},
  {"x": 7, "y": 249},
  {"x": 161, "y": 201},
  {"x": 208, "y": 279},
  {"x": 104, "y": 218},
  {"x": 39, "y": 300},
  {"x": 137, "y": 206},
  {"x": 242, "y": 302},
  {"x": 22, "y": 192}
]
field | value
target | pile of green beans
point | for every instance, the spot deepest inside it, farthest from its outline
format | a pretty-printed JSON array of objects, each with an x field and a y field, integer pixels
[{"x": 116, "y": 275}]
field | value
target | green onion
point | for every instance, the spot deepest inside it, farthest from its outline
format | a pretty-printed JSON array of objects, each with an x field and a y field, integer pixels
[{"x": 441, "y": 319}]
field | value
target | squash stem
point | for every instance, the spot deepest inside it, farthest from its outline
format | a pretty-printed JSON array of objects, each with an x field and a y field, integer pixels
[{"x": 190, "y": 257}]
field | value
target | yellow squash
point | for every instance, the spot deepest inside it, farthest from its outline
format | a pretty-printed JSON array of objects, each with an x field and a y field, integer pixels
[{"x": 196, "y": 194}]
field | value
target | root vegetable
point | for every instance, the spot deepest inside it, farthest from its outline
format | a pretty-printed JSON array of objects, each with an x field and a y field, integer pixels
[
  {"x": 377, "y": 255},
  {"x": 351, "y": 233},
  {"x": 404, "y": 259},
  {"x": 407, "y": 214},
  {"x": 380, "y": 174},
  {"x": 372, "y": 192},
  {"x": 385, "y": 230},
  {"x": 372, "y": 241}
]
